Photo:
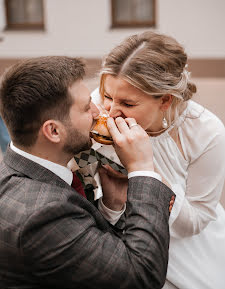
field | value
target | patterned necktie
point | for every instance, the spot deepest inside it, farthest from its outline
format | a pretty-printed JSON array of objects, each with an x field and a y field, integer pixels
[{"x": 77, "y": 185}]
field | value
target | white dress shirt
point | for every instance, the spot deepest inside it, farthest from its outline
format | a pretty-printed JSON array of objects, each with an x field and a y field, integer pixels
[{"x": 61, "y": 171}]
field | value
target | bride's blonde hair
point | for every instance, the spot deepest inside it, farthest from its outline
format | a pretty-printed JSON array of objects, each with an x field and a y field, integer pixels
[{"x": 152, "y": 62}]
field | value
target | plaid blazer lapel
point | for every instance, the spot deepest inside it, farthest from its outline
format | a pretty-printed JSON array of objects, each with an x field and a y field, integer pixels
[{"x": 32, "y": 170}]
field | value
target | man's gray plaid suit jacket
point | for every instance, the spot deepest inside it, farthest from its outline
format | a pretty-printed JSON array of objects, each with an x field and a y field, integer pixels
[{"x": 51, "y": 237}]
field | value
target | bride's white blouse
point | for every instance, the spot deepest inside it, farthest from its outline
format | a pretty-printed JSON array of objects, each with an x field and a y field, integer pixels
[
  {"x": 197, "y": 175},
  {"x": 197, "y": 220}
]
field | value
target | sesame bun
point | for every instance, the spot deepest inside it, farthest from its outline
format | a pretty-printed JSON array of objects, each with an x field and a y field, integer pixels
[{"x": 100, "y": 131}]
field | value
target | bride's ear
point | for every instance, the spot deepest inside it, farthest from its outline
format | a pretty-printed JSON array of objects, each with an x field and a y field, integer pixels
[{"x": 166, "y": 101}]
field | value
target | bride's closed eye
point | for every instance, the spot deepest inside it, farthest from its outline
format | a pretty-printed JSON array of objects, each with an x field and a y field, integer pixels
[
  {"x": 123, "y": 103},
  {"x": 108, "y": 97},
  {"x": 128, "y": 105}
]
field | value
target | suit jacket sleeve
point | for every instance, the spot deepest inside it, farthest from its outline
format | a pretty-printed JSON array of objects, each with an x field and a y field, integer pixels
[{"x": 67, "y": 246}]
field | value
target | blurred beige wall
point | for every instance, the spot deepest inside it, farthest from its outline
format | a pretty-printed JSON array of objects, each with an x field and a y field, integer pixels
[{"x": 82, "y": 28}]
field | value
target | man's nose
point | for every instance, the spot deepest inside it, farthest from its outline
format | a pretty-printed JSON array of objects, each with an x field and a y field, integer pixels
[{"x": 95, "y": 110}]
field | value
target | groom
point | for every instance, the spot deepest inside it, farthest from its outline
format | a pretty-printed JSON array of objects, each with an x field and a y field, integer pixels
[{"x": 51, "y": 236}]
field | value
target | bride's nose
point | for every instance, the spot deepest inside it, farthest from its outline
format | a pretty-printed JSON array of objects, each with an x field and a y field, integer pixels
[{"x": 114, "y": 110}]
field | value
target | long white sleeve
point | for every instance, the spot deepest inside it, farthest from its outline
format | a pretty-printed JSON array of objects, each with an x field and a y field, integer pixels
[{"x": 196, "y": 207}]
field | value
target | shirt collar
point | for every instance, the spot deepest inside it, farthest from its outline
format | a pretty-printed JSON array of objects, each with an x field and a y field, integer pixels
[{"x": 61, "y": 171}]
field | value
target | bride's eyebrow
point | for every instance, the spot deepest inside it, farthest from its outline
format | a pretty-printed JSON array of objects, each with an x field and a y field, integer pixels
[
  {"x": 121, "y": 99},
  {"x": 105, "y": 92}
]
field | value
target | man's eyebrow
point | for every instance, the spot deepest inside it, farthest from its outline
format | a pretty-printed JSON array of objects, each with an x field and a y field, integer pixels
[{"x": 87, "y": 105}]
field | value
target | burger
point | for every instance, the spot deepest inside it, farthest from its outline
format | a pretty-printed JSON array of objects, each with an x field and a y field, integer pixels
[{"x": 100, "y": 131}]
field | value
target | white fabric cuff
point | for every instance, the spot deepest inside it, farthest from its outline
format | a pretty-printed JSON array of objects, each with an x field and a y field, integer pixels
[
  {"x": 145, "y": 174},
  {"x": 110, "y": 215}
]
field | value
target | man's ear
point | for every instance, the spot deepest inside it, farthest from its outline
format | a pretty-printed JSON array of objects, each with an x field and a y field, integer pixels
[
  {"x": 166, "y": 101},
  {"x": 52, "y": 129}
]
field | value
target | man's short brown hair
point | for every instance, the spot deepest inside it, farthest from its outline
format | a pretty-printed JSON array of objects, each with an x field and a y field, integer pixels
[{"x": 36, "y": 90}]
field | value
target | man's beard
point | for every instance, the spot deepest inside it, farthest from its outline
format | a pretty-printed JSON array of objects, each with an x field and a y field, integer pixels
[{"x": 76, "y": 142}]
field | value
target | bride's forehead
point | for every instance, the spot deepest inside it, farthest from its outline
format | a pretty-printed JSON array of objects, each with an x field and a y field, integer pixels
[
  {"x": 111, "y": 80},
  {"x": 119, "y": 88}
]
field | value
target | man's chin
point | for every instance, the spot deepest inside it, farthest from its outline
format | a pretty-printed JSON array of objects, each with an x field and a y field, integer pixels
[
  {"x": 86, "y": 146},
  {"x": 89, "y": 144},
  {"x": 74, "y": 150}
]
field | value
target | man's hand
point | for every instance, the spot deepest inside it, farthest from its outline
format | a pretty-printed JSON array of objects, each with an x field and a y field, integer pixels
[
  {"x": 114, "y": 186},
  {"x": 132, "y": 144}
]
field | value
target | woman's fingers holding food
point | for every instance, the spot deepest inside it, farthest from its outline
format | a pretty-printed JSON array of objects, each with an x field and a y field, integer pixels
[
  {"x": 112, "y": 128},
  {"x": 118, "y": 130},
  {"x": 131, "y": 122},
  {"x": 122, "y": 125}
]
